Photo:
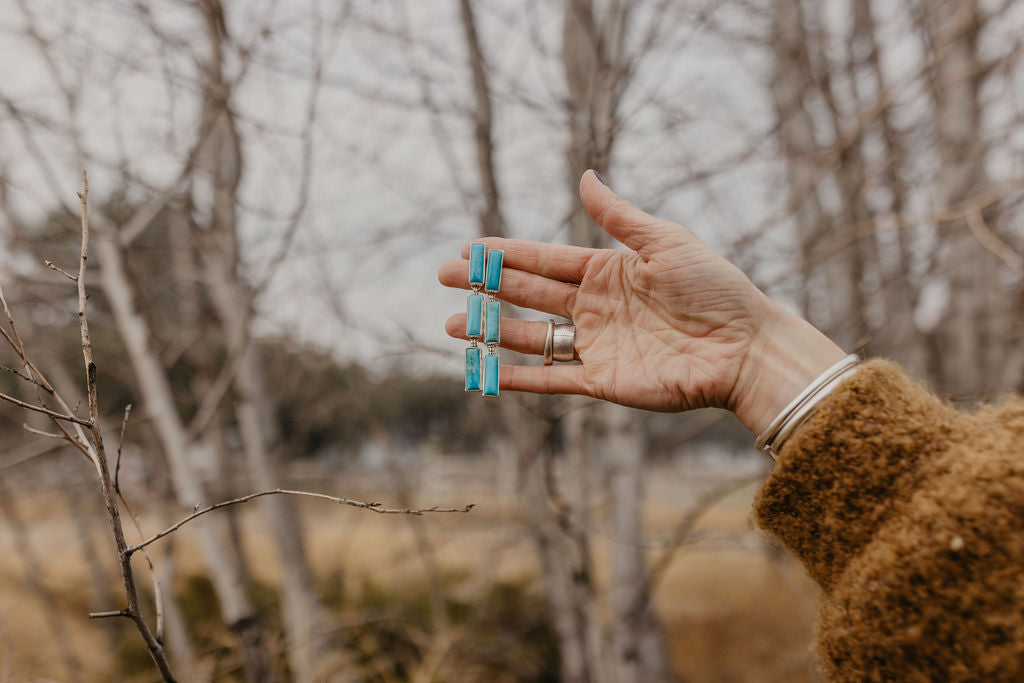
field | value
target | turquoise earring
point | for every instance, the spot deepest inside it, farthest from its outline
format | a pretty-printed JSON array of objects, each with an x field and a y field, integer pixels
[
  {"x": 474, "y": 321},
  {"x": 492, "y": 321},
  {"x": 483, "y": 319}
]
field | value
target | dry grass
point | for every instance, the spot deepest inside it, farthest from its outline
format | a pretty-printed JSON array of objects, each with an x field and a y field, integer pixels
[{"x": 732, "y": 613}]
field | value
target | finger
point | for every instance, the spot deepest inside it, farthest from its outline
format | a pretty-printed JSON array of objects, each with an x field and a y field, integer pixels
[
  {"x": 519, "y": 288},
  {"x": 524, "y": 336},
  {"x": 640, "y": 231},
  {"x": 540, "y": 379},
  {"x": 556, "y": 261}
]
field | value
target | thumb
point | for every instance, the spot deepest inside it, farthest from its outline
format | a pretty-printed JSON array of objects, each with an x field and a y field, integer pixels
[{"x": 638, "y": 230}]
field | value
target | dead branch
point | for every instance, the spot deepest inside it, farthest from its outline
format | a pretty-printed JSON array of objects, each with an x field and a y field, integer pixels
[
  {"x": 111, "y": 613},
  {"x": 78, "y": 440},
  {"x": 46, "y": 411},
  {"x": 120, "y": 446},
  {"x": 153, "y": 644},
  {"x": 53, "y": 266},
  {"x": 39, "y": 432},
  {"x": 991, "y": 241},
  {"x": 372, "y": 507},
  {"x": 15, "y": 371}
]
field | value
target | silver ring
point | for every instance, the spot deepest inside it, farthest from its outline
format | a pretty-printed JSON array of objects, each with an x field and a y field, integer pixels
[
  {"x": 549, "y": 343},
  {"x": 563, "y": 342}
]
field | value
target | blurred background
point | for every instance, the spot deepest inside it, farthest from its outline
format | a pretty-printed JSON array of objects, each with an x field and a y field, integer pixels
[{"x": 274, "y": 184}]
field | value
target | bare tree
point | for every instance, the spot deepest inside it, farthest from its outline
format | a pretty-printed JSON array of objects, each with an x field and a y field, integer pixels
[
  {"x": 846, "y": 156},
  {"x": 973, "y": 333}
]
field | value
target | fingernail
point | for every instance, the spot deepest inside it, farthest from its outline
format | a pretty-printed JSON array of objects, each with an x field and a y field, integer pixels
[{"x": 598, "y": 176}]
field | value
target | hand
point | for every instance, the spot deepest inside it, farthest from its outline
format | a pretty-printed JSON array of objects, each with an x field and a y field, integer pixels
[{"x": 666, "y": 325}]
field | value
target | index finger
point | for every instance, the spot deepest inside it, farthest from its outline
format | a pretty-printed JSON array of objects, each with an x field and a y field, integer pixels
[{"x": 555, "y": 261}]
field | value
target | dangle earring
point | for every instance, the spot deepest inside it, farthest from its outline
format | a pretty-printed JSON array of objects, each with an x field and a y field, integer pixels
[
  {"x": 492, "y": 321},
  {"x": 474, "y": 316}
]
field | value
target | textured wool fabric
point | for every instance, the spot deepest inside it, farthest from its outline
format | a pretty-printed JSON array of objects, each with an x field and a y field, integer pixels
[{"x": 910, "y": 516}]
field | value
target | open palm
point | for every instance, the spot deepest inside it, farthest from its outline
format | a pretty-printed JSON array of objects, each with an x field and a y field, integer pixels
[{"x": 666, "y": 325}]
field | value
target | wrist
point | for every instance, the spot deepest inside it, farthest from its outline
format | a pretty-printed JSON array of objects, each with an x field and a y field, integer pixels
[{"x": 785, "y": 356}]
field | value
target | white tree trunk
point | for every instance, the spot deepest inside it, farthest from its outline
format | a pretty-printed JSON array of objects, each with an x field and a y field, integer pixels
[
  {"x": 225, "y": 566},
  {"x": 638, "y": 649},
  {"x": 972, "y": 338},
  {"x": 605, "y": 438},
  {"x": 834, "y": 275}
]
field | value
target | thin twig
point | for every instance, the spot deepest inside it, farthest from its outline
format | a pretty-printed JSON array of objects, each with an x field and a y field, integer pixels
[
  {"x": 40, "y": 432},
  {"x": 46, "y": 411},
  {"x": 111, "y": 613},
  {"x": 372, "y": 507},
  {"x": 16, "y": 342},
  {"x": 991, "y": 241},
  {"x": 78, "y": 440},
  {"x": 53, "y": 266},
  {"x": 15, "y": 371},
  {"x": 120, "y": 445}
]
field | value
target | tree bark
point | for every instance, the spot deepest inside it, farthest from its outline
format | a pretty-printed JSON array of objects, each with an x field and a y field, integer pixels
[
  {"x": 790, "y": 80},
  {"x": 565, "y": 555},
  {"x": 226, "y": 567},
  {"x": 903, "y": 341},
  {"x": 595, "y": 67},
  {"x": 971, "y": 338},
  {"x": 220, "y": 166},
  {"x": 492, "y": 222}
]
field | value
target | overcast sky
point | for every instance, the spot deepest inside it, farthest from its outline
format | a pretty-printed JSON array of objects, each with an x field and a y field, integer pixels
[{"x": 390, "y": 177}]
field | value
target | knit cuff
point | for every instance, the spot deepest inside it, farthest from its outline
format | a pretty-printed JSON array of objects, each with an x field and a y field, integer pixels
[{"x": 839, "y": 476}]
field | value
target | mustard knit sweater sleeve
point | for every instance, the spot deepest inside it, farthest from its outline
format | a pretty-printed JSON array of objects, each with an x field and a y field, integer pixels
[{"x": 910, "y": 516}]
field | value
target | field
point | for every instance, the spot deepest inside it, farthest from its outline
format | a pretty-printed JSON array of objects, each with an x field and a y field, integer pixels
[{"x": 734, "y": 608}]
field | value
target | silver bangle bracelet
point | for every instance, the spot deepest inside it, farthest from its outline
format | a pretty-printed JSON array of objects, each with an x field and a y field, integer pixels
[{"x": 772, "y": 438}]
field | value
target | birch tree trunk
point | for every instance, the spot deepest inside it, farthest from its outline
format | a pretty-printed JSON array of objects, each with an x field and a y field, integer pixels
[
  {"x": 492, "y": 222},
  {"x": 556, "y": 529},
  {"x": 303, "y": 615},
  {"x": 219, "y": 170},
  {"x": 859, "y": 256},
  {"x": 225, "y": 566},
  {"x": 835, "y": 276},
  {"x": 595, "y": 68},
  {"x": 903, "y": 341},
  {"x": 972, "y": 337},
  {"x": 565, "y": 553},
  {"x": 638, "y": 642}
]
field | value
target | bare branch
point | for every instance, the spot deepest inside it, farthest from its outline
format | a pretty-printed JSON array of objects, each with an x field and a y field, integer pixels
[
  {"x": 15, "y": 371},
  {"x": 372, "y": 507},
  {"x": 53, "y": 266},
  {"x": 112, "y": 613},
  {"x": 40, "y": 432},
  {"x": 992, "y": 242},
  {"x": 120, "y": 445},
  {"x": 46, "y": 411},
  {"x": 153, "y": 644}
]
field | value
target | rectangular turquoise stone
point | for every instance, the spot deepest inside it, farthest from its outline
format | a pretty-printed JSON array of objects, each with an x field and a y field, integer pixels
[
  {"x": 494, "y": 259},
  {"x": 477, "y": 254},
  {"x": 492, "y": 323},
  {"x": 473, "y": 368},
  {"x": 474, "y": 308},
  {"x": 491, "y": 374}
]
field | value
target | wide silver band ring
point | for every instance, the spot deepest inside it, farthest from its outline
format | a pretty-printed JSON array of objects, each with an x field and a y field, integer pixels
[
  {"x": 563, "y": 342},
  {"x": 549, "y": 343}
]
